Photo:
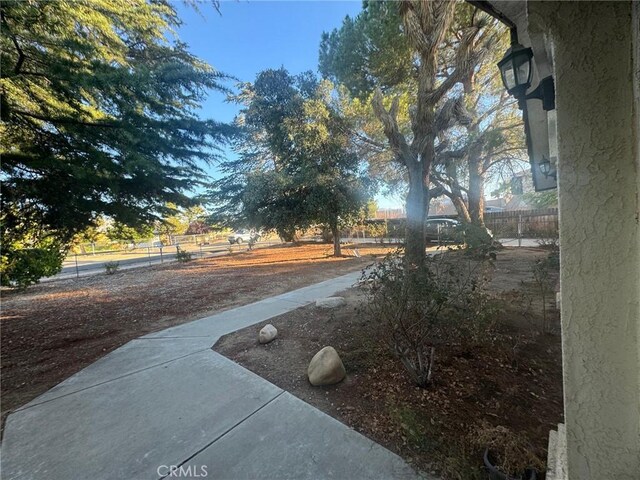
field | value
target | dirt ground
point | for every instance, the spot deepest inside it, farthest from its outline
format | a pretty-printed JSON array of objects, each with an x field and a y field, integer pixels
[
  {"x": 513, "y": 382},
  {"x": 52, "y": 330}
]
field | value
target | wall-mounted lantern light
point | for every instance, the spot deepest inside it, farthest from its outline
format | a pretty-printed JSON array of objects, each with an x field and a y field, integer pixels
[
  {"x": 515, "y": 69},
  {"x": 546, "y": 168},
  {"x": 516, "y": 72}
]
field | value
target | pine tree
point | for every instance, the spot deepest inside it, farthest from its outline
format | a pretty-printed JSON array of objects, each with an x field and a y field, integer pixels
[
  {"x": 296, "y": 167},
  {"x": 99, "y": 117}
]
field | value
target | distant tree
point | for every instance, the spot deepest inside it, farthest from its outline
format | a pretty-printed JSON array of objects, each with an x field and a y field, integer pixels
[
  {"x": 513, "y": 187},
  {"x": 177, "y": 222},
  {"x": 371, "y": 209},
  {"x": 414, "y": 58},
  {"x": 93, "y": 234},
  {"x": 195, "y": 213},
  {"x": 120, "y": 232},
  {"x": 547, "y": 199},
  {"x": 195, "y": 218},
  {"x": 296, "y": 167},
  {"x": 98, "y": 110},
  {"x": 198, "y": 227}
]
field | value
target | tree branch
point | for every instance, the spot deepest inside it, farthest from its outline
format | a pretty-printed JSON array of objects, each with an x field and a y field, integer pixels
[
  {"x": 504, "y": 102},
  {"x": 398, "y": 143},
  {"x": 436, "y": 192},
  {"x": 366, "y": 139},
  {"x": 70, "y": 121},
  {"x": 440, "y": 179},
  {"x": 487, "y": 166},
  {"x": 21, "y": 56}
]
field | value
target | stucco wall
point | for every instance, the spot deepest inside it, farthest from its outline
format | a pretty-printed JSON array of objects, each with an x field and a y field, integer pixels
[{"x": 596, "y": 102}]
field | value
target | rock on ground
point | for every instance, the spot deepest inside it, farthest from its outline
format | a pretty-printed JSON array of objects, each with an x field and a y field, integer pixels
[
  {"x": 268, "y": 333},
  {"x": 326, "y": 368},
  {"x": 330, "y": 302}
]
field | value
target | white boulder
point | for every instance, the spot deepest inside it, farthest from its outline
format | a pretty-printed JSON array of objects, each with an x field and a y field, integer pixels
[
  {"x": 326, "y": 368},
  {"x": 268, "y": 333},
  {"x": 330, "y": 302}
]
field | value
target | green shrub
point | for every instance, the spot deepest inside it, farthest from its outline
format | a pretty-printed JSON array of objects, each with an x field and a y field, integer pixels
[
  {"x": 553, "y": 259},
  {"x": 111, "y": 267},
  {"x": 21, "y": 267},
  {"x": 183, "y": 256},
  {"x": 442, "y": 302},
  {"x": 378, "y": 231}
]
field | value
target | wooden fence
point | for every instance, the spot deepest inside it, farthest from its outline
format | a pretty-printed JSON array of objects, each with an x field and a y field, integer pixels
[{"x": 540, "y": 223}]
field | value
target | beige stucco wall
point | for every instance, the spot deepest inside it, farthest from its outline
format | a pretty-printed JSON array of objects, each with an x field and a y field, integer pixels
[{"x": 593, "y": 50}]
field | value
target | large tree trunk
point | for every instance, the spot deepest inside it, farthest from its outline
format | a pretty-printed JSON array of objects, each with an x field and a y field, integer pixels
[
  {"x": 418, "y": 168},
  {"x": 476, "y": 192},
  {"x": 426, "y": 25},
  {"x": 417, "y": 205},
  {"x": 456, "y": 196},
  {"x": 461, "y": 208},
  {"x": 335, "y": 231}
]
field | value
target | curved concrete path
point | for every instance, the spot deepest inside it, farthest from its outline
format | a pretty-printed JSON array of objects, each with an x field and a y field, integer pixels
[{"x": 166, "y": 406}]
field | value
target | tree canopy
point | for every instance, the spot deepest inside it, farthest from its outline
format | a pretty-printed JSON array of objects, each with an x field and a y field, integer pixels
[
  {"x": 415, "y": 63},
  {"x": 99, "y": 116},
  {"x": 295, "y": 166},
  {"x": 369, "y": 51},
  {"x": 491, "y": 142}
]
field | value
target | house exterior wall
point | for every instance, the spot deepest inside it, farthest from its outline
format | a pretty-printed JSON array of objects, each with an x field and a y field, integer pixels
[{"x": 594, "y": 49}]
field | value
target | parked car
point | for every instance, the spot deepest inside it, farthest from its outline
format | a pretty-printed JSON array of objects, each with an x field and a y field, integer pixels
[
  {"x": 241, "y": 236},
  {"x": 492, "y": 209},
  {"x": 442, "y": 230}
]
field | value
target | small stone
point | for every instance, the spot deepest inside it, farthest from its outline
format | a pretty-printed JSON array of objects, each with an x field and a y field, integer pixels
[
  {"x": 330, "y": 302},
  {"x": 326, "y": 368},
  {"x": 268, "y": 333}
]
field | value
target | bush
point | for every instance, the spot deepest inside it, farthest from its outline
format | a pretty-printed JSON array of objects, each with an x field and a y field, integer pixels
[
  {"x": 553, "y": 259},
  {"x": 422, "y": 308},
  {"x": 378, "y": 231},
  {"x": 183, "y": 256},
  {"x": 111, "y": 267},
  {"x": 542, "y": 278},
  {"x": 550, "y": 242},
  {"x": 21, "y": 267}
]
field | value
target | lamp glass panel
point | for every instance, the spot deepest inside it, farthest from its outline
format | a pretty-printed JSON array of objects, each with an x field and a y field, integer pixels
[
  {"x": 523, "y": 67},
  {"x": 545, "y": 167},
  {"x": 508, "y": 76}
]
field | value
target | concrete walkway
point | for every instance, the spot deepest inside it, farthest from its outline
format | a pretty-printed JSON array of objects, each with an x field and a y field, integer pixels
[{"x": 167, "y": 403}]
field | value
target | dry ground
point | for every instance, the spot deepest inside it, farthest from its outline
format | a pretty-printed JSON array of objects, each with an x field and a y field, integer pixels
[
  {"x": 52, "y": 330},
  {"x": 514, "y": 381}
]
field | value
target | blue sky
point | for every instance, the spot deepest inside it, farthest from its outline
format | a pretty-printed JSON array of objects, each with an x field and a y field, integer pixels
[{"x": 250, "y": 36}]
